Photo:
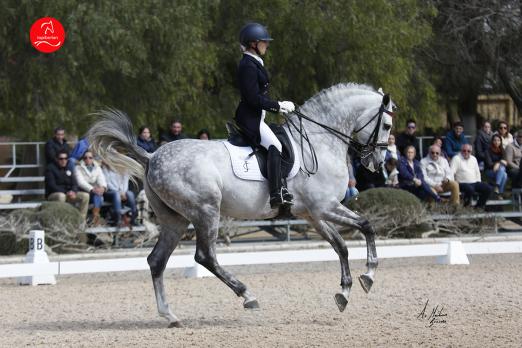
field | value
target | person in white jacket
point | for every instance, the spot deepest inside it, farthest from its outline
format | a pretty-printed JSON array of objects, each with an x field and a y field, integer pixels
[
  {"x": 90, "y": 178},
  {"x": 438, "y": 174},
  {"x": 118, "y": 192},
  {"x": 466, "y": 170}
]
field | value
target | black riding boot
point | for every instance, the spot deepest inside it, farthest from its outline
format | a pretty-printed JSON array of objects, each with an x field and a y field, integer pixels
[{"x": 278, "y": 193}]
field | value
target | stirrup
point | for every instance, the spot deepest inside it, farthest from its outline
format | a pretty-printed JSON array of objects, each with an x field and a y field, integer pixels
[{"x": 283, "y": 197}]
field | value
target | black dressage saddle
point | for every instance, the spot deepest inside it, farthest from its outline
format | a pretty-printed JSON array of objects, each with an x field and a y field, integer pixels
[{"x": 237, "y": 138}]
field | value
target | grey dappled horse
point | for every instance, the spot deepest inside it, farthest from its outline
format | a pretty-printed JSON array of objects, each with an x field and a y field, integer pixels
[{"x": 191, "y": 181}]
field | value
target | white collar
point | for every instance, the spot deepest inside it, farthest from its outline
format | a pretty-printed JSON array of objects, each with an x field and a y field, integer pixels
[{"x": 256, "y": 57}]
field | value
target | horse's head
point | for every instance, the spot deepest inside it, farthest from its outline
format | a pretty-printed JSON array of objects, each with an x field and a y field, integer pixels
[{"x": 373, "y": 129}]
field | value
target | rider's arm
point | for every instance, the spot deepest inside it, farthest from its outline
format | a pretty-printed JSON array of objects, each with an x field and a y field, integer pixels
[{"x": 249, "y": 87}]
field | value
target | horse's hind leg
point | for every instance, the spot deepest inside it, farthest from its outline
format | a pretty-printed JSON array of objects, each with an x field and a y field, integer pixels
[
  {"x": 206, "y": 225},
  {"x": 172, "y": 226}
]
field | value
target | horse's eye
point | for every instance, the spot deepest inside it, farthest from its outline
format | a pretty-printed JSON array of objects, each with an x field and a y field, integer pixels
[{"x": 386, "y": 126}]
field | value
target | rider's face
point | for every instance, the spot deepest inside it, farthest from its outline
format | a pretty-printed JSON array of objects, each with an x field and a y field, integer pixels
[{"x": 262, "y": 46}]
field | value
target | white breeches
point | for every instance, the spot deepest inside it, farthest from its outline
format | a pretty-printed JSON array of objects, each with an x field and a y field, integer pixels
[{"x": 267, "y": 136}]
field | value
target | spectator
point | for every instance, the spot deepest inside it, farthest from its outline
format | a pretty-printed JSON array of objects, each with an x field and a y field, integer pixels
[
  {"x": 437, "y": 140},
  {"x": 145, "y": 140},
  {"x": 411, "y": 178},
  {"x": 438, "y": 174},
  {"x": 91, "y": 179},
  {"x": 408, "y": 138},
  {"x": 482, "y": 142},
  {"x": 503, "y": 131},
  {"x": 204, "y": 134},
  {"x": 175, "y": 133},
  {"x": 118, "y": 192},
  {"x": 390, "y": 173},
  {"x": 495, "y": 165},
  {"x": 513, "y": 154},
  {"x": 367, "y": 179},
  {"x": 391, "y": 151},
  {"x": 78, "y": 151},
  {"x": 56, "y": 144},
  {"x": 467, "y": 173},
  {"x": 455, "y": 139},
  {"x": 61, "y": 185},
  {"x": 351, "y": 191}
]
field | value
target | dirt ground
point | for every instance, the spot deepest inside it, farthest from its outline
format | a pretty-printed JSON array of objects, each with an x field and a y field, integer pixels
[{"x": 481, "y": 305}]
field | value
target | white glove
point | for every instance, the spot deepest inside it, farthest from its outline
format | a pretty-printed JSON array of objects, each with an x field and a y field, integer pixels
[{"x": 286, "y": 107}]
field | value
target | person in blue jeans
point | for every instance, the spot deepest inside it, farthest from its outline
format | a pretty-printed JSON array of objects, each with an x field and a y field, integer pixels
[
  {"x": 118, "y": 193},
  {"x": 411, "y": 178},
  {"x": 495, "y": 165}
]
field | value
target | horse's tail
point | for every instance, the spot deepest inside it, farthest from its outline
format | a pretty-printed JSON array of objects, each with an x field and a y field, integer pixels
[{"x": 112, "y": 138}]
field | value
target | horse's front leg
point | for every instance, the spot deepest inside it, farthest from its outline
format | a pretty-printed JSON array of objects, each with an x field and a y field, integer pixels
[
  {"x": 345, "y": 217},
  {"x": 330, "y": 234}
]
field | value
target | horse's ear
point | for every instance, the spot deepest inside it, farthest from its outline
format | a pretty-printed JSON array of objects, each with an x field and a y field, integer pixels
[{"x": 386, "y": 99}]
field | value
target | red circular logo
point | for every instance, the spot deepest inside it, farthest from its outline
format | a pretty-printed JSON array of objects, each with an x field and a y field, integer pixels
[{"x": 47, "y": 35}]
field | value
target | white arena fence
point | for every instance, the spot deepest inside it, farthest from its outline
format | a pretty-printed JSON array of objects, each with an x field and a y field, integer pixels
[{"x": 38, "y": 270}]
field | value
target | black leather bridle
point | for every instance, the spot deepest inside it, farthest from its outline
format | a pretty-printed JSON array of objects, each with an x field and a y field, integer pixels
[{"x": 363, "y": 150}]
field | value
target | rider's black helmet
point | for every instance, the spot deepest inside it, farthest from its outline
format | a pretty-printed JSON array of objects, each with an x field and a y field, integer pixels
[{"x": 253, "y": 32}]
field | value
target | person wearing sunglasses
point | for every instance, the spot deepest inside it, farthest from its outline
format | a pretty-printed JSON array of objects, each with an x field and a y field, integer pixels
[
  {"x": 455, "y": 139},
  {"x": 411, "y": 178},
  {"x": 438, "y": 175},
  {"x": 467, "y": 173},
  {"x": 91, "y": 180},
  {"x": 503, "y": 131},
  {"x": 408, "y": 138},
  {"x": 61, "y": 184}
]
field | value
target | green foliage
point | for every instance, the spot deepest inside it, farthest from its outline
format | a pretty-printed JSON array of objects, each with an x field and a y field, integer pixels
[{"x": 160, "y": 59}]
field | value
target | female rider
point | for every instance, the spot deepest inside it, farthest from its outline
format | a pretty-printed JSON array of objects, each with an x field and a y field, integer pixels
[{"x": 250, "y": 114}]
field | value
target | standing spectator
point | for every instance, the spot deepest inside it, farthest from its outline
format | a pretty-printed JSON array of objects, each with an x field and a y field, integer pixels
[
  {"x": 118, "y": 192},
  {"x": 391, "y": 150},
  {"x": 175, "y": 133},
  {"x": 91, "y": 179},
  {"x": 408, "y": 138},
  {"x": 513, "y": 154},
  {"x": 482, "y": 142},
  {"x": 503, "y": 131},
  {"x": 455, "y": 139},
  {"x": 204, "y": 134},
  {"x": 495, "y": 165},
  {"x": 61, "y": 185},
  {"x": 438, "y": 174},
  {"x": 467, "y": 173},
  {"x": 390, "y": 173},
  {"x": 56, "y": 144},
  {"x": 411, "y": 178},
  {"x": 145, "y": 140}
]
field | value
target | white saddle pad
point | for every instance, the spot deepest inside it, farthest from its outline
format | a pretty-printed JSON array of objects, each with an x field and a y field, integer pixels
[{"x": 247, "y": 168}]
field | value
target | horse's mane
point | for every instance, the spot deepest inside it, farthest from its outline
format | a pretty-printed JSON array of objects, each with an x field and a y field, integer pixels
[{"x": 335, "y": 93}]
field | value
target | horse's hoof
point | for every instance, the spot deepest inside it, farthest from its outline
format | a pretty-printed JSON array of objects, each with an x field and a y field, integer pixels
[
  {"x": 366, "y": 282},
  {"x": 175, "y": 324},
  {"x": 341, "y": 300},
  {"x": 252, "y": 304}
]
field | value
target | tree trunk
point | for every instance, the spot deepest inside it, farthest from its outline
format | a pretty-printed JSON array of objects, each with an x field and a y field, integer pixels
[
  {"x": 468, "y": 112},
  {"x": 511, "y": 87}
]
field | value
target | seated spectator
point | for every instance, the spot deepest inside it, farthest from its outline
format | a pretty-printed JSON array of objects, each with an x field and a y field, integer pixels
[
  {"x": 408, "y": 138},
  {"x": 56, "y": 144},
  {"x": 438, "y": 174},
  {"x": 513, "y": 154},
  {"x": 367, "y": 179},
  {"x": 390, "y": 173},
  {"x": 391, "y": 150},
  {"x": 78, "y": 151},
  {"x": 454, "y": 140},
  {"x": 204, "y": 134},
  {"x": 503, "y": 131},
  {"x": 175, "y": 133},
  {"x": 91, "y": 179},
  {"x": 145, "y": 140},
  {"x": 61, "y": 185},
  {"x": 118, "y": 192},
  {"x": 351, "y": 191},
  {"x": 411, "y": 178},
  {"x": 495, "y": 165},
  {"x": 482, "y": 142},
  {"x": 466, "y": 171},
  {"x": 437, "y": 140}
]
